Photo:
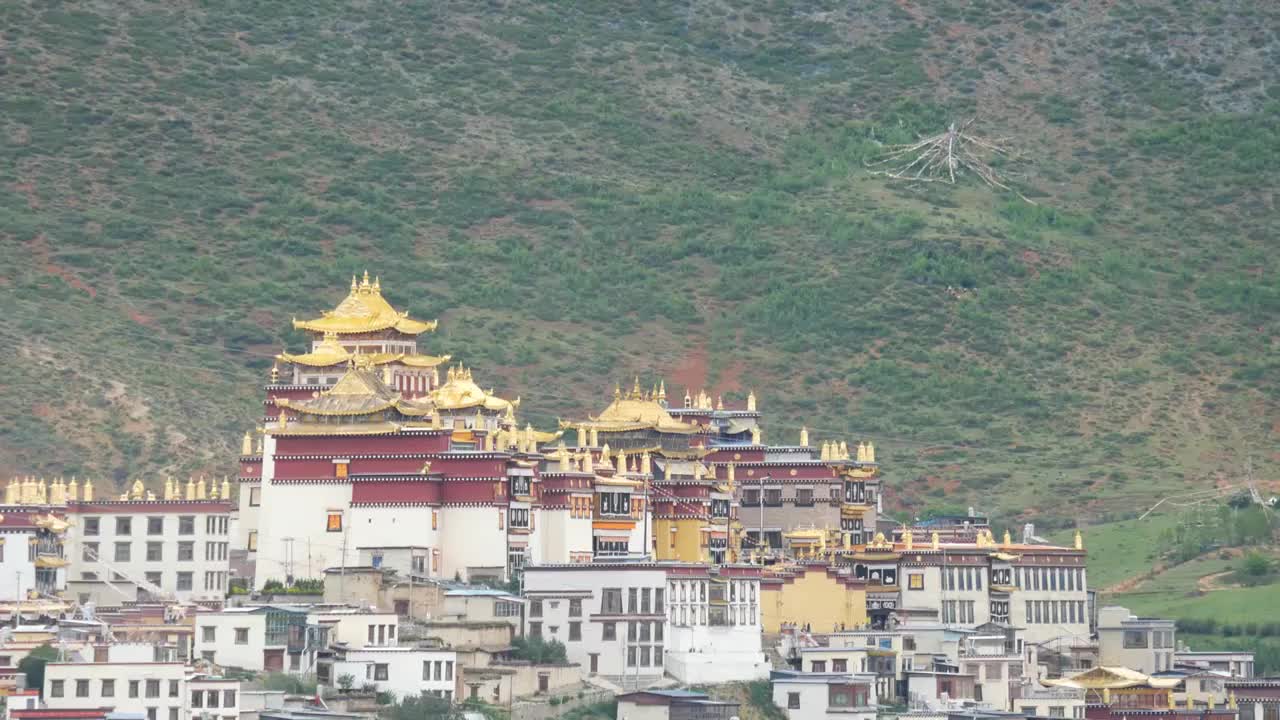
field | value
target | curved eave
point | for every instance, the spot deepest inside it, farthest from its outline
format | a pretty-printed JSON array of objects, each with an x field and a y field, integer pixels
[
  {"x": 305, "y": 410},
  {"x": 351, "y": 429},
  {"x": 346, "y": 326},
  {"x": 425, "y": 360}
]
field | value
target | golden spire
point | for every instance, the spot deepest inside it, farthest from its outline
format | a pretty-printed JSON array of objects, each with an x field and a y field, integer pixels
[
  {"x": 12, "y": 492},
  {"x": 1079, "y": 540},
  {"x": 191, "y": 488},
  {"x": 719, "y": 402},
  {"x": 622, "y": 464},
  {"x": 617, "y": 391},
  {"x": 933, "y": 539},
  {"x": 826, "y": 451},
  {"x": 565, "y": 465},
  {"x": 732, "y": 474},
  {"x": 635, "y": 389},
  {"x": 226, "y": 488},
  {"x": 844, "y": 450},
  {"x": 1008, "y": 539},
  {"x": 364, "y": 282},
  {"x": 57, "y": 493},
  {"x": 353, "y": 282},
  {"x": 646, "y": 463},
  {"x": 861, "y": 452},
  {"x": 88, "y": 490},
  {"x": 804, "y": 436},
  {"x": 871, "y": 452},
  {"x": 138, "y": 491},
  {"x": 755, "y": 435},
  {"x": 584, "y": 439},
  {"x": 907, "y": 539},
  {"x": 201, "y": 488},
  {"x": 751, "y": 400},
  {"x": 246, "y": 444},
  {"x": 604, "y": 453},
  {"x": 662, "y": 391},
  {"x": 73, "y": 490}
]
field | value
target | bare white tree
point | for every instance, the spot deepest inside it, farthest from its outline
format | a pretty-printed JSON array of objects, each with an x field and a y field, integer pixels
[{"x": 942, "y": 157}]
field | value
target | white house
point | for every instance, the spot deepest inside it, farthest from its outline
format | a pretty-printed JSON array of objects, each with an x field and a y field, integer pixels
[
  {"x": 634, "y": 621},
  {"x": 286, "y": 638},
  {"x": 211, "y": 697},
  {"x": 181, "y": 547},
  {"x": 155, "y": 689},
  {"x": 1126, "y": 640},
  {"x": 404, "y": 671},
  {"x": 818, "y": 696}
]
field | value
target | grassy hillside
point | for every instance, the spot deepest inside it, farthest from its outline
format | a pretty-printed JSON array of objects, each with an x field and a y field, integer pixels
[{"x": 586, "y": 191}]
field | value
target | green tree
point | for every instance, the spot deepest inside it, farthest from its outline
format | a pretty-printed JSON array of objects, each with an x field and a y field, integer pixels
[
  {"x": 33, "y": 665},
  {"x": 423, "y": 707},
  {"x": 537, "y": 650},
  {"x": 1256, "y": 568}
]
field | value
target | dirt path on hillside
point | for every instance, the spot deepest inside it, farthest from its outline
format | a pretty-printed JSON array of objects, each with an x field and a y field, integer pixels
[{"x": 1130, "y": 584}]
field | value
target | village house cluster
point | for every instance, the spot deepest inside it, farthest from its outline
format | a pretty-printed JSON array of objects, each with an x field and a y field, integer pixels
[{"x": 393, "y": 529}]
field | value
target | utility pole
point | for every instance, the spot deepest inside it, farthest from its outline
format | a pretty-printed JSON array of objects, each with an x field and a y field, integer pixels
[
  {"x": 342, "y": 572},
  {"x": 760, "y": 534},
  {"x": 288, "y": 560}
]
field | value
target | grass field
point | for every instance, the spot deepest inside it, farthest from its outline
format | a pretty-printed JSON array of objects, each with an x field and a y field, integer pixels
[
  {"x": 583, "y": 192},
  {"x": 1120, "y": 550}
]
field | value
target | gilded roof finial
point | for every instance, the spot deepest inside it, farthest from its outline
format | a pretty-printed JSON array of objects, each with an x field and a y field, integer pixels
[
  {"x": 907, "y": 539},
  {"x": 933, "y": 539},
  {"x": 646, "y": 463},
  {"x": 751, "y": 401},
  {"x": 635, "y": 389},
  {"x": 1079, "y": 540},
  {"x": 756, "y": 436},
  {"x": 353, "y": 282},
  {"x": 1008, "y": 539},
  {"x": 844, "y": 450},
  {"x": 226, "y": 488},
  {"x": 688, "y": 399},
  {"x": 617, "y": 391},
  {"x": 138, "y": 490},
  {"x": 871, "y": 452},
  {"x": 621, "y": 468},
  {"x": 719, "y": 402},
  {"x": 662, "y": 391},
  {"x": 364, "y": 282},
  {"x": 377, "y": 284},
  {"x": 826, "y": 451},
  {"x": 804, "y": 436},
  {"x": 88, "y": 490}
]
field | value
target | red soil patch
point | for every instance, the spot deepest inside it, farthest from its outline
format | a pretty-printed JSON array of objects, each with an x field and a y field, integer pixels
[
  {"x": 691, "y": 372},
  {"x": 41, "y": 410},
  {"x": 145, "y": 320},
  {"x": 40, "y": 251},
  {"x": 28, "y": 189}
]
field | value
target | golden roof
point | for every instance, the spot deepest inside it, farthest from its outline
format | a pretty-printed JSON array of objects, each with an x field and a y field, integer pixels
[
  {"x": 460, "y": 392},
  {"x": 329, "y": 352},
  {"x": 638, "y": 411},
  {"x": 1110, "y": 677},
  {"x": 359, "y": 392},
  {"x": 364, "y": 310}
]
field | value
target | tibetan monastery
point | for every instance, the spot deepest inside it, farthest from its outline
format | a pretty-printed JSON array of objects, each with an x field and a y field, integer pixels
[
  {"x": 364, "y": 447},
  {"x": 717, "y": 492}
]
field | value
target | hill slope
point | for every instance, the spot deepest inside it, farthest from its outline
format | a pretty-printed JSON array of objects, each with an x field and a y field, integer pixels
[{"x": 582, "y": 192}]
